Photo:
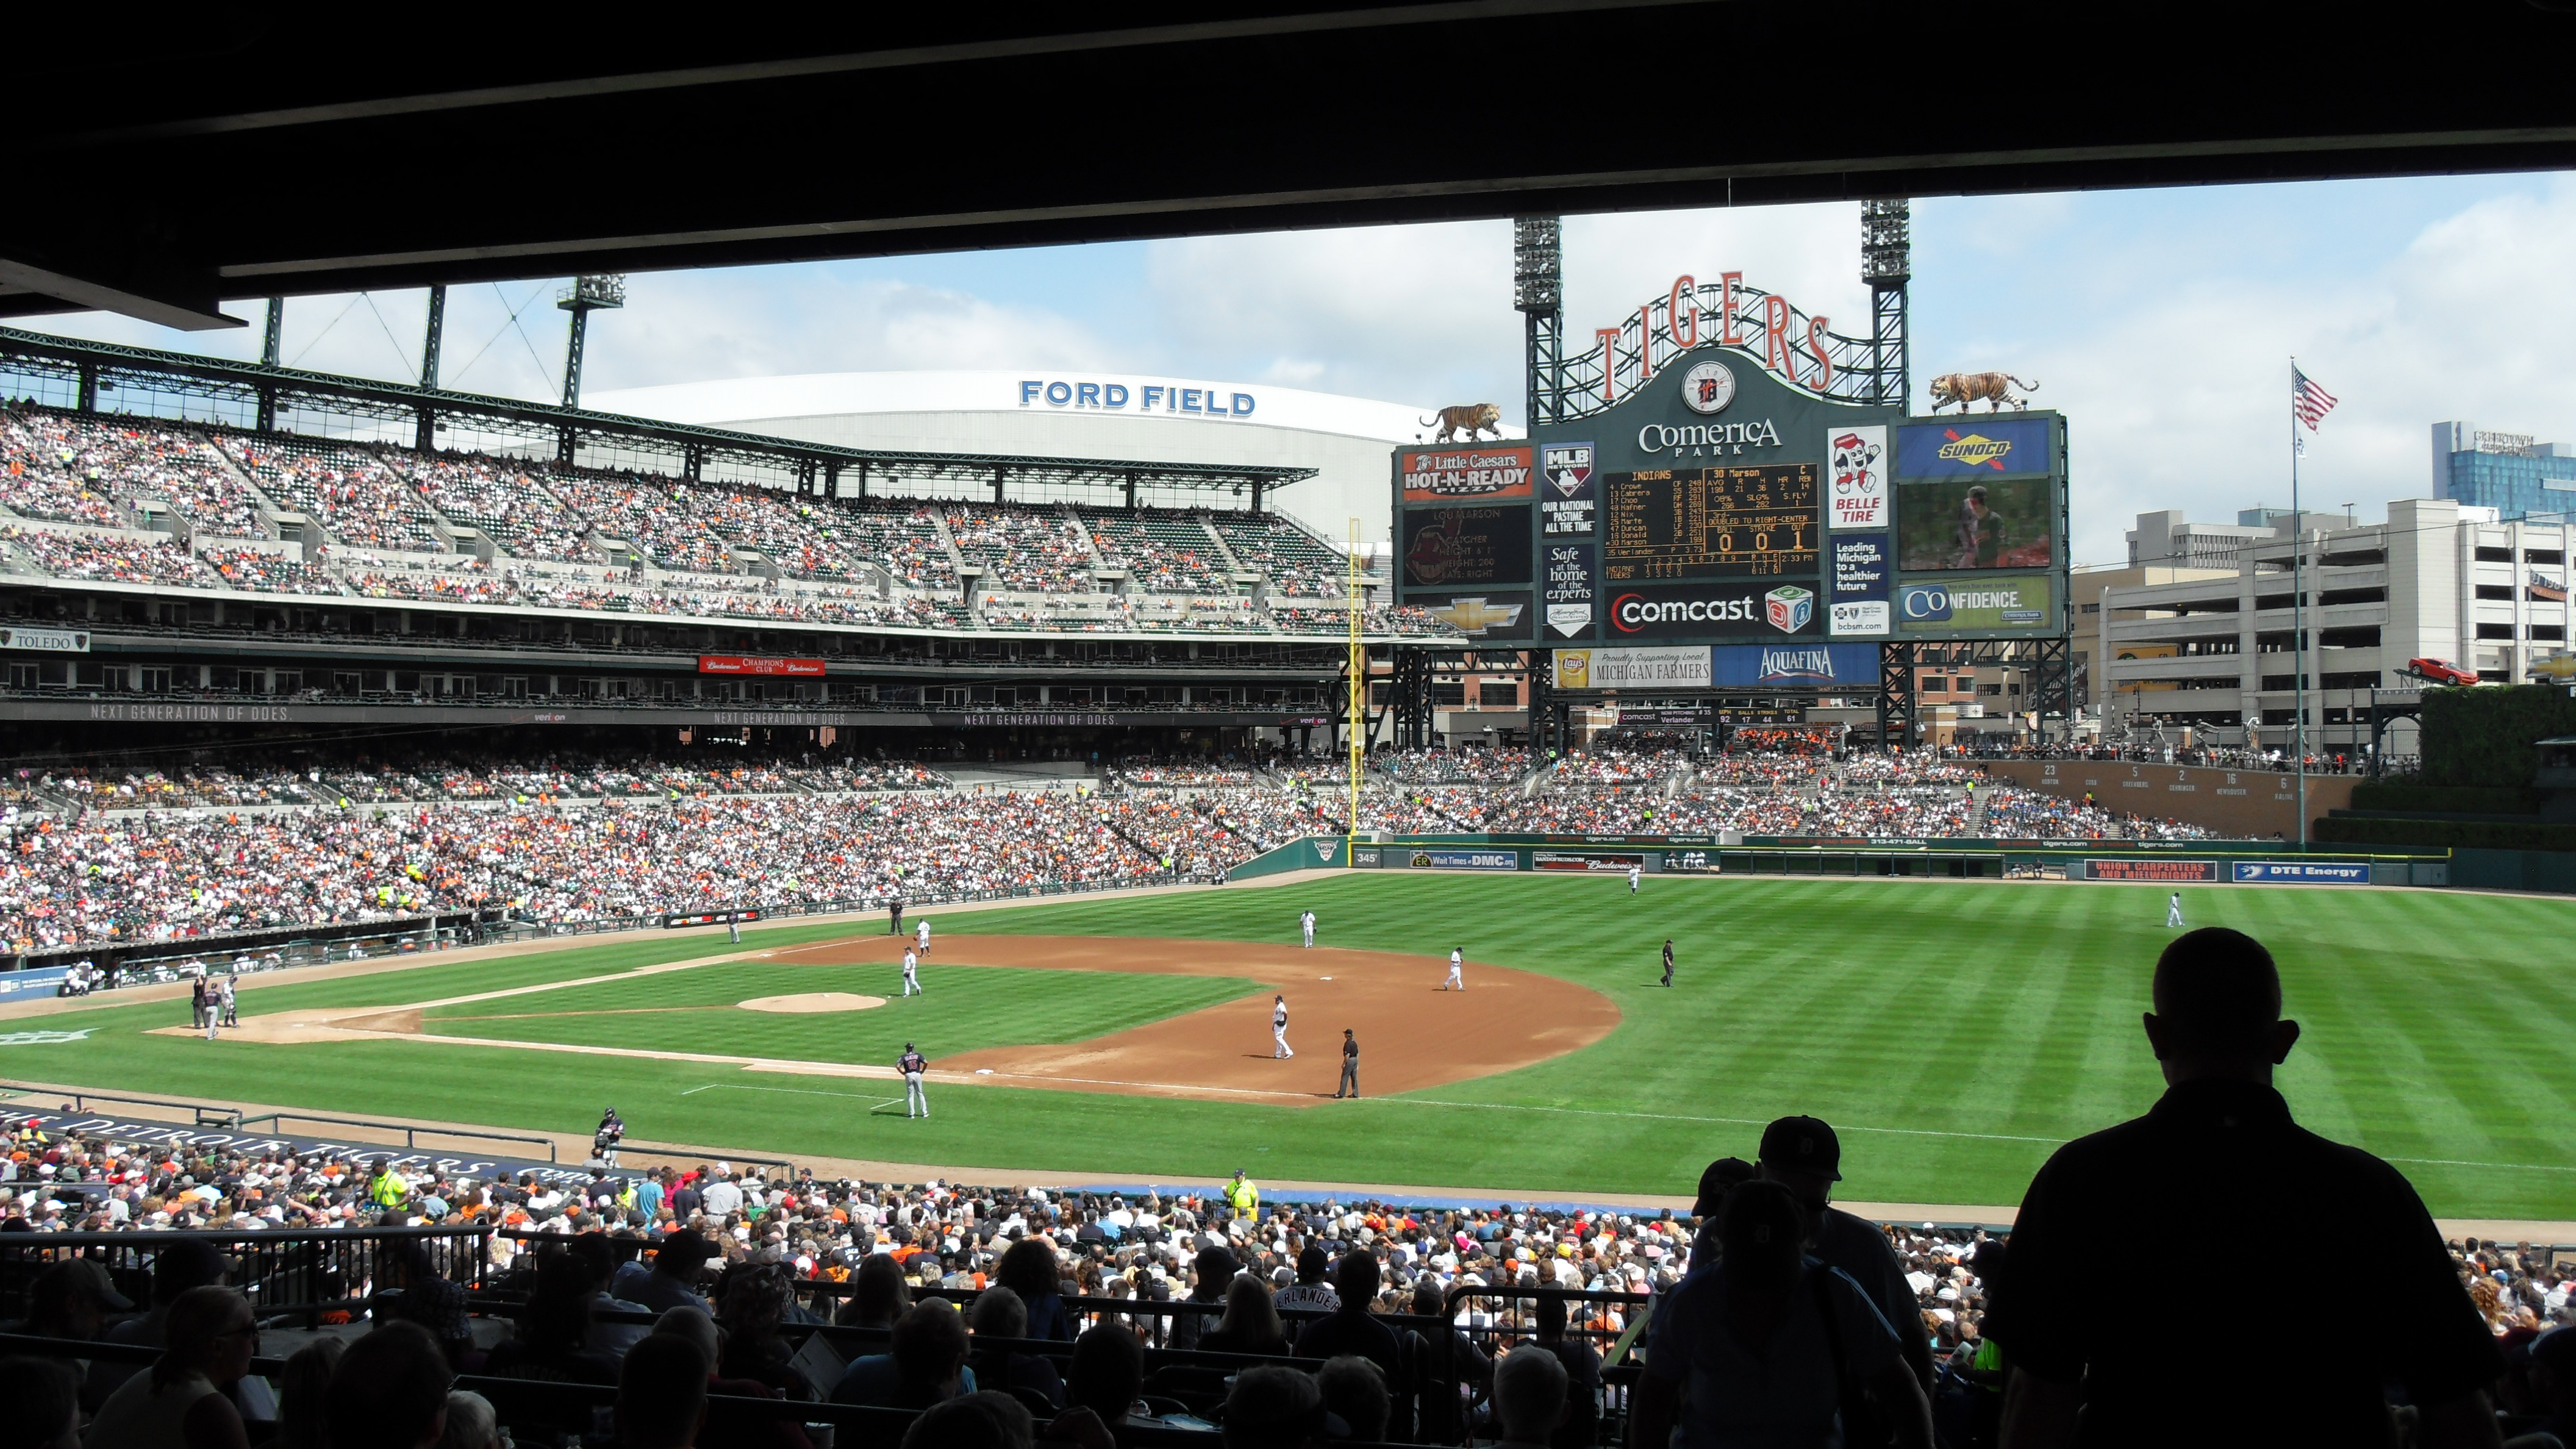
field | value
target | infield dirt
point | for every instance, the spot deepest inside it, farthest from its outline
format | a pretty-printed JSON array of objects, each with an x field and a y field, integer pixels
[{"x": 1503, "y": 1020}]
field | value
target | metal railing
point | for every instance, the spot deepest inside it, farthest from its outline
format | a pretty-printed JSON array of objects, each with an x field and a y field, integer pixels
[{"x": 291, "y": 1272}]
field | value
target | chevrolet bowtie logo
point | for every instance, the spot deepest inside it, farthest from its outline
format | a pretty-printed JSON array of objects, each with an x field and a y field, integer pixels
[{"x": 1475, "y": 616}]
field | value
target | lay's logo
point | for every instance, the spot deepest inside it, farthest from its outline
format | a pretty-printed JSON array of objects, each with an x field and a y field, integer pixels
[{"x": 1974, "y": 449}]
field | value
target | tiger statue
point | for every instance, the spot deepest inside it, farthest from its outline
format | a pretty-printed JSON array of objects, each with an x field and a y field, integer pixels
[
  {"x": 1989, "y": 388},
  {"x": 1480, "y": 418}
]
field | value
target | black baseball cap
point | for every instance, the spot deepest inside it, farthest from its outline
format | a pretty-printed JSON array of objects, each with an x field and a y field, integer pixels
[
  {"x": 1803, "y": 1144},
  {"x": 1722, "y": 1176}
]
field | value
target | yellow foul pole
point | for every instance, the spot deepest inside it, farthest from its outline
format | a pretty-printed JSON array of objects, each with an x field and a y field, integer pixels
[{"x": 1359, "y": 699}]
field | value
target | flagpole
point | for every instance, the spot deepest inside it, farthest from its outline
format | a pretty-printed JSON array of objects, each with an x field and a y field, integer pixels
[{"x": 2298, "y": 615}]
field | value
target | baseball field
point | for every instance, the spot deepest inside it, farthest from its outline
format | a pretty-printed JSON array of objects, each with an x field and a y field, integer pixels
[{"x": 1955, "y": 1032}]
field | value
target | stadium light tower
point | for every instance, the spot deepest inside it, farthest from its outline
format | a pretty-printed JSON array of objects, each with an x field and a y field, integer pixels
[
  {"x": 1538, "y": 291},
  {"x": 585, "y": 296},
  {"x": 1887, "y": 264}
]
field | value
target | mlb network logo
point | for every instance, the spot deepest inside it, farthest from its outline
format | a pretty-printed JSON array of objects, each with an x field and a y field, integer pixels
[{"x": 1789, "y": 608}]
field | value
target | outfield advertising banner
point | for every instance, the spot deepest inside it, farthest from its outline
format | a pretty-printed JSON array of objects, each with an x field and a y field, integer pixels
[
  {"x": 1861, "y": 583},
  {"x": 1484, "y": 614},
  {"x": 1680, "y": 611},
  {"x": 1465, "y": 860},
  {"x": 1684, "y": 667},
  {"x": 1856, "y": 458},
  {"x": 1615, "y": 863},
  {"x": 2300, "y": 872},
  {"x": 1568, "y": 504},
  {"x": 1467, "y": 475},
  {"x": 1795, "y": 666},
  {"x": 2021, "y": 603},
  {"x": 2160, "y": 872},
  {"x": 1976, "y": 448},
  {"x": 1568, "y": 588}
]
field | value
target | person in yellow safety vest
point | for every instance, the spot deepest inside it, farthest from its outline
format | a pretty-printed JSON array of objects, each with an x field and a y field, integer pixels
[
  {"x": 1242, "y": 1196},
  {"x": 385, "y": 1188}
]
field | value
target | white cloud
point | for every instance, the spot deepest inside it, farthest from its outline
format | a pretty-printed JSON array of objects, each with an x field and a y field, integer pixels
[
  {"x": 1810, "y": 254},
  {"x": 2181, "y": 399},
  {"x": 2160, "y": 322},
  {"x": 1421, "y": 314}
]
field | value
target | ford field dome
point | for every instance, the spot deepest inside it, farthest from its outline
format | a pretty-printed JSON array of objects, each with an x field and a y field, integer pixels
[{"x": 1074, "y": 415}]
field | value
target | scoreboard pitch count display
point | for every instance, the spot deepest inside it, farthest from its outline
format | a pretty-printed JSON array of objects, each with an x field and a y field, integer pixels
[{"x": 1741, "y": 509}]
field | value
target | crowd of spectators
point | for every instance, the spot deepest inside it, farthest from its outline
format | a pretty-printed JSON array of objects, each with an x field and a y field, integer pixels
[
  {"x": 258, "y": 571},
  {"x": 349, "y": 490},
  {"x": 1025, "y": 550},
  {"x": 506, "y": 498},
  {"x": 1455, "y": 767},
  {"x": 108, "y": 558},
  {"x": 128, "y": 856},
  {"x": 1164, "y": 553},
  {"x": 96, "y": 471},
  {"x": 1299, "y": 565}
]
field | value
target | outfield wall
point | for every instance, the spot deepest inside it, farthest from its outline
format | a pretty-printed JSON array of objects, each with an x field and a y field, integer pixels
[
  {"x": 2178, "y": 862},
  {"x": 2249, "y": 804}
]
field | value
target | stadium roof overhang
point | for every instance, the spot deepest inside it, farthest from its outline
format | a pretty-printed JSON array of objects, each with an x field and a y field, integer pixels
[
  {"x": 206, "y": 159},
  {"x": 184, "y": 385}
]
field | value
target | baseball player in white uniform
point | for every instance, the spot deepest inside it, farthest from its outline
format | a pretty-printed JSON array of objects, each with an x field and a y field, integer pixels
[
  {"x": 2173, "y": 910},
  {"x": 921, "y": 936},
  {"x": 1635, "y": 872},
  {"x": 911, "y": 983},
  {"x": 1457, "y": 963},
  {"x": 1280, "y": 1050},
  {"x": 1306, "y": 923}
]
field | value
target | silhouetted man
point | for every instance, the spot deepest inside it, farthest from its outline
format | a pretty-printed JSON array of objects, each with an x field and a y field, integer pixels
[{"x": 2216, "y": 1165}]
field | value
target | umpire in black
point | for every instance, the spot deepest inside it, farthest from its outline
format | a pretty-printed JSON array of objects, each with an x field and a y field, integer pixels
[{"x": 1350, "y": 1067}]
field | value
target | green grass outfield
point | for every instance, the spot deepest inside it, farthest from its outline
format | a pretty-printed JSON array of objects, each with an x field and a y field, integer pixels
[{"x": 1954, "y": 1031}]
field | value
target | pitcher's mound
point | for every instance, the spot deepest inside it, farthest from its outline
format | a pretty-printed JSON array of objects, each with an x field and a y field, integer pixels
[{"x": 812, "y": 1001}]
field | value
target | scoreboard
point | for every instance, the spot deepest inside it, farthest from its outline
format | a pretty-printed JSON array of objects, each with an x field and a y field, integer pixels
[
  {"x": 1701, "y": 523},
  {"x": 1724, "y": 501}
]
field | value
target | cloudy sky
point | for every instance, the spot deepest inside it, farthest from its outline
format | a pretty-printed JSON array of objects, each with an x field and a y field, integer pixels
[{"x": 2160, "y": 322}]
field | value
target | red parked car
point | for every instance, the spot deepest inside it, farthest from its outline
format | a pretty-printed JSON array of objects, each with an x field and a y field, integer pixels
[{"x": 2440, "y": 671}]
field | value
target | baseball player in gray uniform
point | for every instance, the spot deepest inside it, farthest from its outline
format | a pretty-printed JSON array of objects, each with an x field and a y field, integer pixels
[{"x": 912, "y": 1064}]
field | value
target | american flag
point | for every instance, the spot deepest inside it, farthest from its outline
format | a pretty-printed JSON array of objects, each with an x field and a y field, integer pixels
[{"x": 2308, "y": 400}]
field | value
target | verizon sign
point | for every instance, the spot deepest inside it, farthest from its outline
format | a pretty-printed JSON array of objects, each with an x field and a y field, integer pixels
[{"x": 759, "y": 664}]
